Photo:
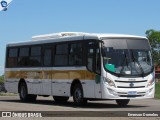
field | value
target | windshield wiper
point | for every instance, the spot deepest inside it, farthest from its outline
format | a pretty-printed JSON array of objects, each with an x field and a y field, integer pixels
[{"x": 134, "y": 60}]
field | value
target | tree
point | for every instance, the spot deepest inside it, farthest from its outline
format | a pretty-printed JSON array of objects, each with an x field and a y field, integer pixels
[
  {"x": 1, "y": 78},
  {"x": 154, "y": 39}
]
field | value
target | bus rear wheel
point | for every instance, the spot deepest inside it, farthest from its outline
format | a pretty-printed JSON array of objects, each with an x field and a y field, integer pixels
[
  {"x": 23, "y": 93},
  {"x": 60, "y": 99},
  {"x": 78, "y": 97},
  {"x": 122, "y": 102}
]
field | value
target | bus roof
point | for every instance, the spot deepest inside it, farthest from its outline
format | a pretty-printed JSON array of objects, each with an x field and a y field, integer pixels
[{"x": 70, "y": 36}]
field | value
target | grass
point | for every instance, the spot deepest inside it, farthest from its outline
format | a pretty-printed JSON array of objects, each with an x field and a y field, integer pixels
[
  {"x": 8, "y": 94},
  {"x": 157, "y": 93}
]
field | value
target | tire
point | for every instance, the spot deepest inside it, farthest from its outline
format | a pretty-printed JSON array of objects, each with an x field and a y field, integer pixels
[
  {"x": 78, "y": 97},
  {"x": 23, "y": 94},
  {"x": 60, "y": 99},
  {"x": 123, "y": 102}
]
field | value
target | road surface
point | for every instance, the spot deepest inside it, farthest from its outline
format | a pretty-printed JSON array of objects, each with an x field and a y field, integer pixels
[{"x": 12, "y": 103}]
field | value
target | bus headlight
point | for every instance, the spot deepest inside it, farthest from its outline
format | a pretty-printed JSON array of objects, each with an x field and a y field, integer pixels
[
  {"x": 109, "y": 82},
  {"x": 151, "y": 82}
]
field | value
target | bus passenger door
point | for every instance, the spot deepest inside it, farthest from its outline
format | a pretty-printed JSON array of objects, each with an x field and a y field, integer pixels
[
  {"x": 47, "y": 70},
  {"x": 94, "y": 66},
  {"x": 98, "y": 93}
]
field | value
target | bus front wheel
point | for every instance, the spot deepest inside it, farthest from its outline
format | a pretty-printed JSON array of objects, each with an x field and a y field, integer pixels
[
  {"x": 23, "y": 93},
  {"x": 122, "y": 102},
  {"x": 78, "y": 98}
]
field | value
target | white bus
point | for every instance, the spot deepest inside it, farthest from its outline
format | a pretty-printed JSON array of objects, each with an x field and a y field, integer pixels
[{"x": 83, "y": 65}]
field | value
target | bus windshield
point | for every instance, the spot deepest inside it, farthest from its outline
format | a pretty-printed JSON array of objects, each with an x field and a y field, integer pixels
[{"x": 127, "y": 57}]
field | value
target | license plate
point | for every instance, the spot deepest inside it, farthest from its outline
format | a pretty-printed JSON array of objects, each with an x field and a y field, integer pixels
[{"x": 132, "y": 93}]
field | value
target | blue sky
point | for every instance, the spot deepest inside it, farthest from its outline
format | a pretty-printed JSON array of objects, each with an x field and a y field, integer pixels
[{"x": 25, "y": 18}]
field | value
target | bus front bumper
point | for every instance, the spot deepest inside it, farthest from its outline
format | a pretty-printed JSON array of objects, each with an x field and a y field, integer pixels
[{"x": 128, "y": 93}]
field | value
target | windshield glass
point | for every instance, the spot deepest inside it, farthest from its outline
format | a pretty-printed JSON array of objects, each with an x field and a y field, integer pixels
[{"x": 127, "y": 57}]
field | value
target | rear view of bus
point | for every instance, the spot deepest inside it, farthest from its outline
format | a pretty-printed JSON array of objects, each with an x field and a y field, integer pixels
[{"x": 128, "y": 71}]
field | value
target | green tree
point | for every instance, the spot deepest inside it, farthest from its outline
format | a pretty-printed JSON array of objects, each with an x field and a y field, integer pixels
[
  {"x": 1, "y": 78},
  {"x": 154, "y": 39}
]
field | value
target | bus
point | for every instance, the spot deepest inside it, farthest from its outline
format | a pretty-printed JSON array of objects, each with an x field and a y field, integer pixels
[{"x": 85, "y": 66}]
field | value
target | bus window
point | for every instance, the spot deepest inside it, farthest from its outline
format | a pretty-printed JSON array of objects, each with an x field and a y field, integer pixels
[
  {"x": 35, "y": 59},
  {"x": 61, "y": 56},
  {"x": 47, "y": 57},
  {"x": 12, "y": 57},
  {"x": 75, "y": 54},
  {"x": 23, "y": 57},
  {"x": 24, "y": 52}
]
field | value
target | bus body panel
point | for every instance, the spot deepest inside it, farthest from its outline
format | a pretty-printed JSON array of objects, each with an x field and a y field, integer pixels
[
  {"x": 55, "y": 82},
  {"x": 11, "y": 85}
]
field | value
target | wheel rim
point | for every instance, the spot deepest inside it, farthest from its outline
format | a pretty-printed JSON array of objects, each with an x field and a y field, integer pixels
[
  {"x": 23, "y": 92},
  {"x": 78, "y": 94}
]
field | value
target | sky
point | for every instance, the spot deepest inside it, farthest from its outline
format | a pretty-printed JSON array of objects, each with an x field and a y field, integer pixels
[{"x": 26, "y": 18}]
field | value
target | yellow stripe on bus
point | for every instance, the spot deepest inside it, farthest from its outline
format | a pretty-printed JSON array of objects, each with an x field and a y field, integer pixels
[{"x": 54, "y": 74}]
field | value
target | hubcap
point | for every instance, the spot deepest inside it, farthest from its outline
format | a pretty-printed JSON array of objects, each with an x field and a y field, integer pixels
[
  {"x": 23, "y": 92},
  {"x": 78, "y": 94}
]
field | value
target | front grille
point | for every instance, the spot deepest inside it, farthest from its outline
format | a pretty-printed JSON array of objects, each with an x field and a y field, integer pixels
[
  {"x": 130, "y": 87},
  {"x": 131, "y": 84},
  {"x": 125, "y": 93},
  {"x": 141, "y": 92},
  {"x": 130, "y": 81},
  {"x": 122, "y": 93},
  {"x": 131, "y": 95}
]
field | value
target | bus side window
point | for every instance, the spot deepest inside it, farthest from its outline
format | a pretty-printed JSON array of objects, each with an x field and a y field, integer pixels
[
  {"x": 12, "y": 57},
  {"x": 75, "y": 54},
  {"x": 61, "y": 55},
  {"x": 23, "y": 58},
  {"x": 35, "y": 58},
  {"x": 47, "y": 57}
]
